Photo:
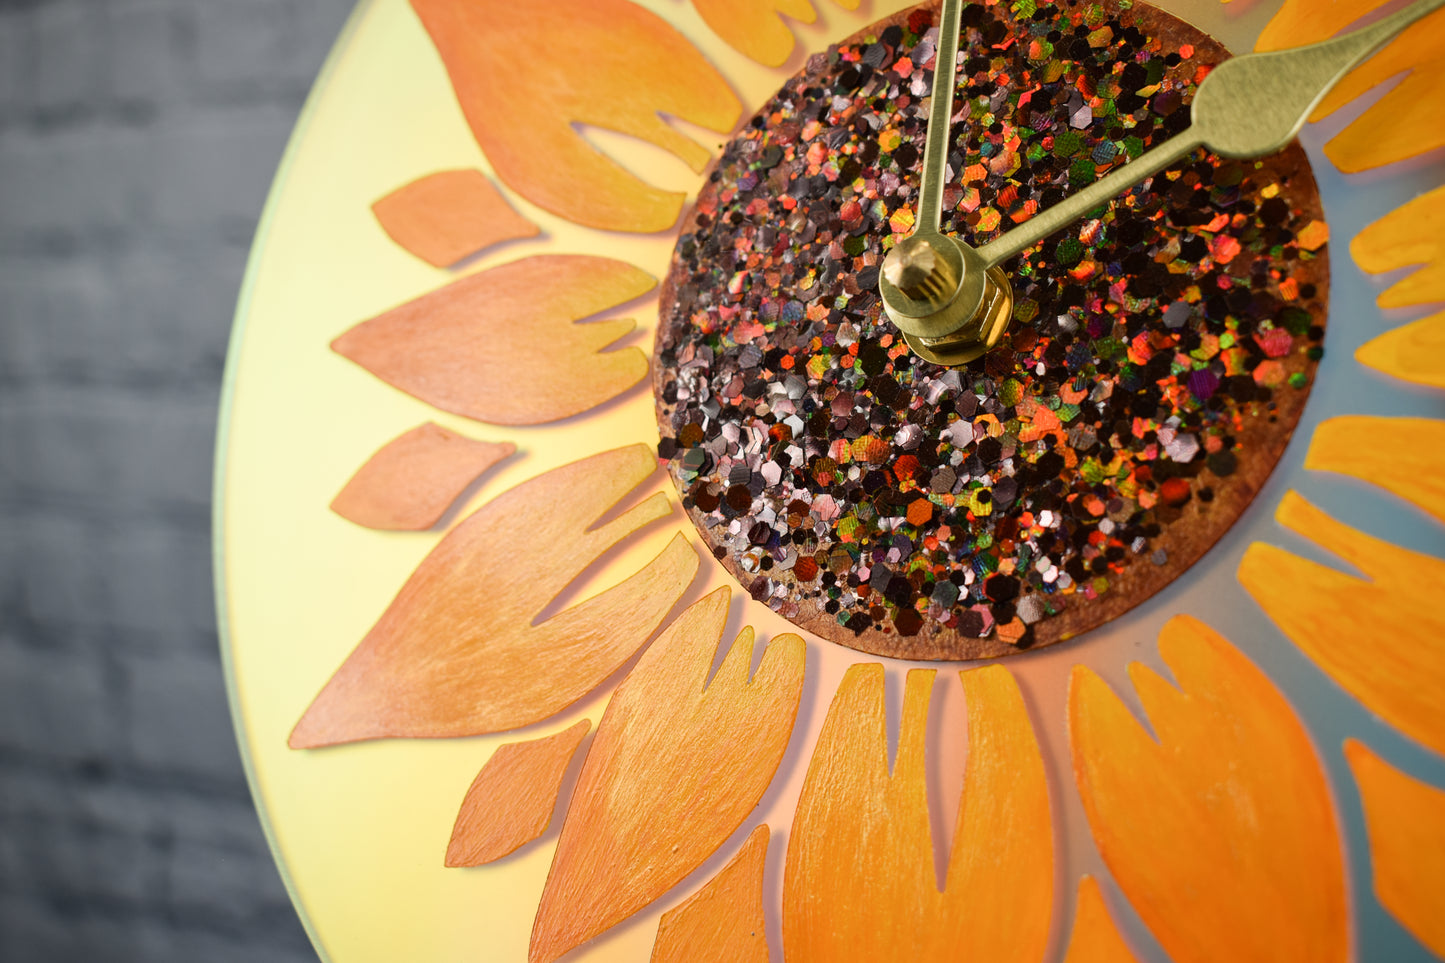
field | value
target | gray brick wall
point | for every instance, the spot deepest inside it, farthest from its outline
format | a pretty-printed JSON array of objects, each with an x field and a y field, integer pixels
[{"x": 137, "y": 139}]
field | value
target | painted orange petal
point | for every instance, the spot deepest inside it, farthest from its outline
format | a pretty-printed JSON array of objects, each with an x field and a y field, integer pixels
[
  {"x": 456, "y": 653},
  {"x": 754, "y": 27},
  {"x": 1402, "y": 123},
  {"x": 860, "y": 880},
  {"x": 673, "y": 772},
  {"x": 1412, "y": 234},
  {"x": 1405, "y": 819},
  {"x": 1413, "y": 352},
  {"x": 1374, "y": 636},
  {"x": 510, "y": 802},
  {"x": 1221, "y": 833},
  {"x": 409, "y": 483},
  {"x": 722, "y": 922},
  {"x": 1357, "y": 445},
  {"x": 1300, "y": 22},
  {"x": 502, "y": 346},
  {"x": 449, "y": 215},
  {"x": 526, "y": 73},
  {"x": 1095, "y": 938}
]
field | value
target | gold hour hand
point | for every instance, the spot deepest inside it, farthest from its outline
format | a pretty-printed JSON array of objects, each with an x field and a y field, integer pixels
[
  {"x": 949, "y": 306},
  {"x": 940, "y": 114}
]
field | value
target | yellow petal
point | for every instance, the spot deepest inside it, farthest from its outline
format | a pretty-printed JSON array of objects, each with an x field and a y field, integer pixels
[
  {"x": 1410, "y": 235},
  {"x": 409, "y": 483},
  {"x": 510, "y": 802},
  {"x": 754, "y": 27},
  {"x": 526, "y": 73},
  {"x": 1376, "y": 636},
  {"x": 1413, "y": 352},
  {"x": 860, "y": 881},
  {"x": 503, "y": 345},
  {"x": 456, "y": 653},
  {"x": 1405, "y": 819},
  {"x": 1220, "y": 833},
  {"x": 1300, "y": 22},
  {"x": 1400, "y": 125},
  {"x": 674, "y": 770},
  {"x": 1403, "y": 455},
  {"x": 1095, "y": 938},
  {"x": 722, "y": 922},
  {"x": 450, "y": 215}
]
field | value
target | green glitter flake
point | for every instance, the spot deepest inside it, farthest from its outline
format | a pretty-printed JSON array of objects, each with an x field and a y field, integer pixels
[
  {"x": 1082, "y": 172},
  {"x": 1067, "y": 144},
  {"x": 1070, "y": 252},
  {"x": 1296, "y": 320}
]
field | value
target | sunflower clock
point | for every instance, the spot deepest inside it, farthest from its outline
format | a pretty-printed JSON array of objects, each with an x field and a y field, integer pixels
[{"x": 618, "y": 562}]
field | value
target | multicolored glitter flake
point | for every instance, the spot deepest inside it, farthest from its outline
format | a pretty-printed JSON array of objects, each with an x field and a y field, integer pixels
[{"x": 1160, "y": 353}]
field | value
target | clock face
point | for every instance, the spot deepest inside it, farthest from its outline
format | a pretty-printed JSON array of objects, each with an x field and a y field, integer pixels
[
  {"x": 600, "y": 413},
  {"x": 1161, "y": 354}
]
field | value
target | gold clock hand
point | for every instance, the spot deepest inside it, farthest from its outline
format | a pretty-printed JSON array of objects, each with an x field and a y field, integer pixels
[
  {"x": 952, "y": 302},
  {"x": 941, "y": 297},
  {"x": 940, "y": 115},
  {"x": 1248, "y": 106}
]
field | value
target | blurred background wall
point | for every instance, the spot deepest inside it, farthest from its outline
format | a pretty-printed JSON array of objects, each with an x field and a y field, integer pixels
[{"x": 137, "y": 142}]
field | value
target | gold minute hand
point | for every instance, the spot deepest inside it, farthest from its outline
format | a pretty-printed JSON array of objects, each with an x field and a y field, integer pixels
[
  {"x": 952, "y": 302},
  {"x": 1248, "y": 106}
]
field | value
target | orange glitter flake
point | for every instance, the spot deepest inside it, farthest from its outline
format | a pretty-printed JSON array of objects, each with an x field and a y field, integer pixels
[
  {"x": 1314, "y": 236},
  {"x": 1269, "y": 373},
  {"x": 902, "y": 221},
  {"x": 1225, "y": 248}
]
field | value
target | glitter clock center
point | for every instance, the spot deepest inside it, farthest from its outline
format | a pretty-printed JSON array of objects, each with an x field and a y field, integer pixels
[{"x": 1159, "y": 356}]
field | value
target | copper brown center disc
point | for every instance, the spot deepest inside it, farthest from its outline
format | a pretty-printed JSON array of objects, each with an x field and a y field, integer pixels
[{"x": 1159, "y": 357}]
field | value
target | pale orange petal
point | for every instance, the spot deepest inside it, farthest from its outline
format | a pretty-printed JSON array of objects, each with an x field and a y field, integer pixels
[
  {"x": 860, "y": 880},
  {"x": 1412, "y": 234},
  {"x": 755, "y": 27},
  {"x": 1300, "y": 22},
  {"x": 1378, "y": 637},
  {"x": 409, "y": 483},
  {"x": 1416, "y": 47},
  {"x": 510, "y": 802},
  {"x": 722, "y": 922},
  {"x": 1402, "y": 455},
  {"x": 1401, "y": 124},
  {"x": 1095, "y": 938},
  {"x": 449, "y": 215},
  {"x": 1405, "y": 819},
  {"x": 674, "y": 770},
  {"x": 526, "y": 73},
  {"x": 503, "y": 346},
  {"x": 1413, "y": 352},
  {"x": 1221, "y": 833},
  {"x": 456, "y": 653}
]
